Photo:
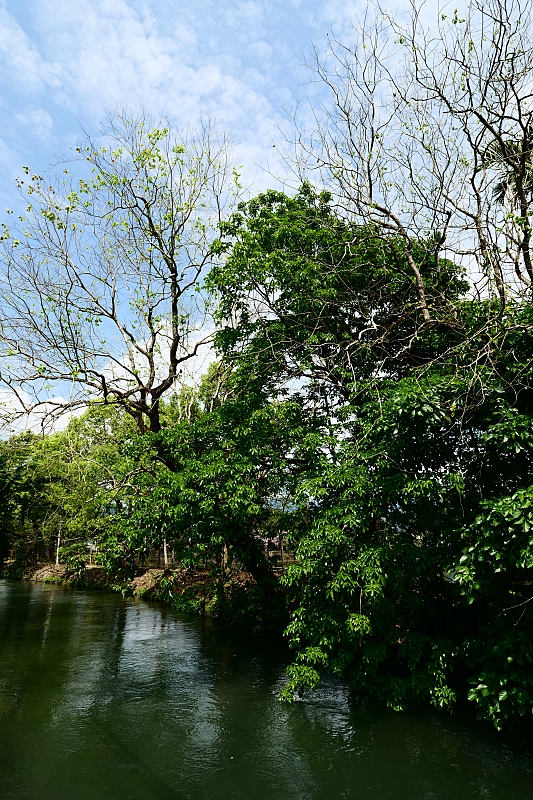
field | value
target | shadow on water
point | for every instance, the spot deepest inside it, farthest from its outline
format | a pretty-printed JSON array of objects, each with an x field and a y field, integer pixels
[{"x": 102, "y": 697}]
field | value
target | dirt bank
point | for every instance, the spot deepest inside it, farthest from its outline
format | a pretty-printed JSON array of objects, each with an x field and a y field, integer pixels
[{"x": 232, "y": 595}]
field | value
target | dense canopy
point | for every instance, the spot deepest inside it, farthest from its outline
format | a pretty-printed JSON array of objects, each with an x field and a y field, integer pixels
[{"x": 355, "y": 465}]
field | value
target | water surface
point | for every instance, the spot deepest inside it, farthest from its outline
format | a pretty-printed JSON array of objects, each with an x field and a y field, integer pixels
[{"x": 103, "y": 698}]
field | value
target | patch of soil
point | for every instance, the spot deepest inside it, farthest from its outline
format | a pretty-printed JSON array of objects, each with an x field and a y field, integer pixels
[
  {"x": 198, "y": 582},
  {"x": 48, "y": 572}
]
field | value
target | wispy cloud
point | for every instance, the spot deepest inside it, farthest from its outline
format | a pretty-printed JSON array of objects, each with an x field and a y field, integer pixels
[
  {"x": 238, "y": 61},
  {"x": 21, "y": 62},
  {"x": 65, "y": 62}
]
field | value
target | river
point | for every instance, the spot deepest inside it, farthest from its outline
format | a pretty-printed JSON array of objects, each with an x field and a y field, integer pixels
[{"x": 104, "y": 698}]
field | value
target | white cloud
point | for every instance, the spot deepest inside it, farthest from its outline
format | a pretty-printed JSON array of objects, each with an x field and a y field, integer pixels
[
  {"x": 111, "y": 54},
  {"x": 35, "y": 122},
  {"x": 237, "y": 61},
  {"x": 65, "y": 62},
  {"x": 92, "y": 56},
  {"x": 260, "y": 50},
  {"x": 246, "y": 17},
  {"x": 19, "y": 413},
  {"x": 20, "y": 60}
]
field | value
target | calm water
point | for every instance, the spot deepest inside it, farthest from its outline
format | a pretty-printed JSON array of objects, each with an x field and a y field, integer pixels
[{"x": 107, "y": 699}]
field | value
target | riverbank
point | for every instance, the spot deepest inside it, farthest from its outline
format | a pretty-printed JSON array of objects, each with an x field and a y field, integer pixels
[
  {"x": 231, "y": 595},
  {"x": 103, "y": 699}
]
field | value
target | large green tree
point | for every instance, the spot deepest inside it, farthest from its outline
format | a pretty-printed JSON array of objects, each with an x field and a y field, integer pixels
[{"x": 410, "y": 577}]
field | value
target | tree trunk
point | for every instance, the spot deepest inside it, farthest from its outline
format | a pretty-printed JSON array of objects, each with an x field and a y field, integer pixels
[{"x": 250, "y": 552}]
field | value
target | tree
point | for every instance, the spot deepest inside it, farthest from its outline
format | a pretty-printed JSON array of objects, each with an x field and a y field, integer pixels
[
  {"x": 306, "y": 294},
  {"x": 13, "y": 490},
  {"x": 63, "y": 490},
  {"x": 425, "y": 128},
  {"x": 100, "y": 276},
  {"x": 414, "y": 577},
  {"x": 423, "y": 442},
  {"x": 230, "y": 486}
]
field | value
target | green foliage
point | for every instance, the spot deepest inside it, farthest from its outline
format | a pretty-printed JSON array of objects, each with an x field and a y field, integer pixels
[
  {"x": 391, "y": 454},
  {"x": 67, "y": 487},
  {"x": 231, "y": 474},
  {"x": 314, "y": 295},
  {"x": 409, "y": 579},
  {"x": 13, "y": 494}
]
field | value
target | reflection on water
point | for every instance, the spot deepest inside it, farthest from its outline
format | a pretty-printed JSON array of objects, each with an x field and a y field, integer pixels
[{"x": 109, "y": 699}]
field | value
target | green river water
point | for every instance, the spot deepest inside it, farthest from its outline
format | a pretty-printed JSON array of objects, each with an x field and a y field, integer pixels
[{"x": 103, "y": 698}]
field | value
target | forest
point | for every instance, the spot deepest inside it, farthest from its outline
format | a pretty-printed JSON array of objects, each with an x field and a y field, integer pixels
[{"x": 326, "y": 388}]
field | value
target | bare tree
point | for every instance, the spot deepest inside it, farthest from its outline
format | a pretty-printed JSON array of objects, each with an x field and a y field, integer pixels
[
  {"x": 101, "y": 276},
  {"x": 429, "y": 135}
]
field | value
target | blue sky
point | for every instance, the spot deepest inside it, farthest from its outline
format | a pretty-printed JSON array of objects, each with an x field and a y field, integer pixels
[{"x": 65, "y": 62}]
